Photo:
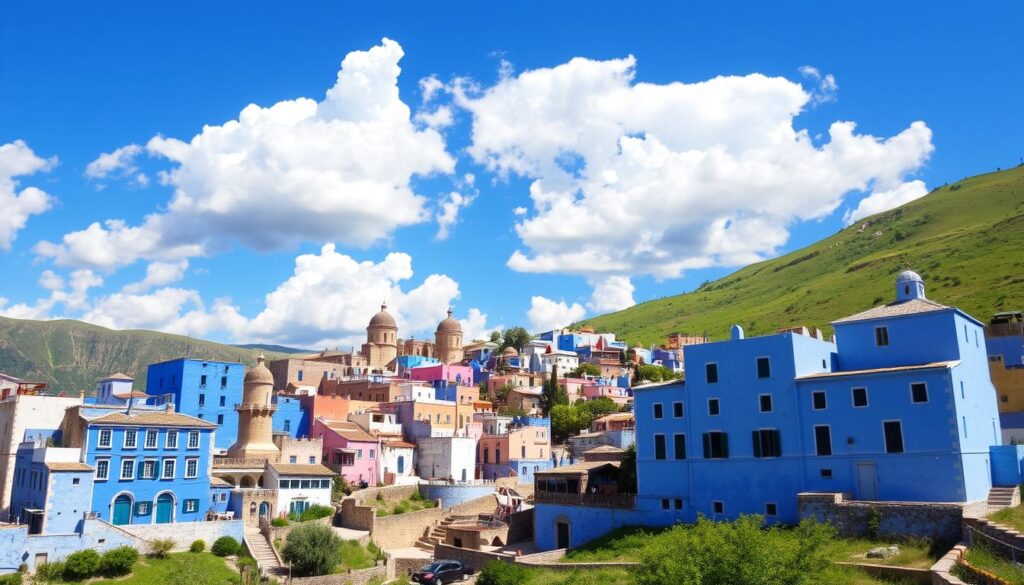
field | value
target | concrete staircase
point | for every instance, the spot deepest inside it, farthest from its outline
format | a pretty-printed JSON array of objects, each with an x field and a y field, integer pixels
[
  {"x": 263, "y": 552},
  {"x": 434, "y": 534},
  {"x": 1003, "y": 497}
]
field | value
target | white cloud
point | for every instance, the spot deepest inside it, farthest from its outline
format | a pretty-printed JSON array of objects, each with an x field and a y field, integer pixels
[
  {"x": 638, "y": 178},
  {"x": 17, "y": 159},
  {"x": 299, "y": 170},
  {"x": 520, "y": 211},
  {"x": 118, "y": 164},
  {"x": 449, "y": 212},
  {"x": 429, "y": 87},
  {"x": 441, "y": 117},
  {"x": 825, "y": 88},
  {"x": 158, "y": 274},
  {"x": 545, "y": 314},
  {"x": 74, "y": 297},
  {"x": 475, "y": 326},
  {"x": 880, "y": 201},
  {"x": 611, "y": 294},
  {"x": 172, "y": 310}
]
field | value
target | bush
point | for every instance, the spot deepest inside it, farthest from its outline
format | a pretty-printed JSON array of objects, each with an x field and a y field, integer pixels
[
  {"x": 314, "y": 512},
  {"x": 279, "y": 522},
  {"x": 49, "y": 572},
  {"x": 247, "y": 562},
  {"x": 13, "y": 579},
  {"x": 312, "y": 549},
  {"x": 197, "y": 546},
  {"x": 225, "y": 546},
  {"x": 160, "y": 548},
  {"x": 81, "y": 565},
  {"x": 502, "y": 573},
  {"x": 118, "y": 561}
]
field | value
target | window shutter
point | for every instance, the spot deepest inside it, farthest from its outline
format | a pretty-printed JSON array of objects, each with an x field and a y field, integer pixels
[
  {"x": 757, "y": 443},
  {"x": 725, "y": 445},
  {"x": 776, "y": 443},
  {"x": 707, "y": 446}
]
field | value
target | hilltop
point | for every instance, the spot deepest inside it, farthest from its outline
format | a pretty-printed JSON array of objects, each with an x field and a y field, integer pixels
[
  {"x": 71, "y": 355},
  {"x": 965, "y": 239}
]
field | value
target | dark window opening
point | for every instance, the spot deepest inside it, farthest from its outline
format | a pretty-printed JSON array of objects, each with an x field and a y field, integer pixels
[
  {"x": 860, "y": 397},
  {"x": 881, "y": 336},
  {"x": 767, "y": 443},
  {"x": 919, "y": 392},
  {"x": 823, "y": 440},
  {"x": 716, "y": 445},
  {"x": 765, "y": 402},
  {"x": 764, "y": 367},
  {"x": 713, "y": 407},
  {"x": 718, "y": 507},
  {"x": 680, "y": 446},
  {"x": 659, "y": 446},
  {"x": 818, "y": 400},
  {"x": 677, "y": 409},
  {"x": 658, "y": 410},
  {"x": 893, "y": 436},
  {"x": 712, "y": 373}
]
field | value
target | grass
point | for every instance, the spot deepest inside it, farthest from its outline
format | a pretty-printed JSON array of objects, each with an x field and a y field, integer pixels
[
  {"x": 621, "y": 544},
  {"x": 413, "y": 503},
  {"x": 178, "y": 569},
  {"x": 836, "y": 576},
  {"x": 354, "y": 556},
  {"x": 1012, "y": 517},
  {"x": 984, "y": 559},
  {"x": 913, "y": 553},
  {"x": 964, "y": 239}
]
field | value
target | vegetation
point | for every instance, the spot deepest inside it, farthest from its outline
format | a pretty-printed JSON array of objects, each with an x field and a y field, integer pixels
[
  {"x": 314, "y": 512},
  {"x": 567, "y": 420},
  {"x": 627, "y": 471},
  {"x": 980, "y": 557},
  {"x": 553, "y": 393},
  {"x": 160, "y": 548},
  {"x": 225, "y": 546},
  {"x": 197, "y": 546},
  {"x": 81, "y": 565},
  {"x": 917, "y": 553},
  {"x": 963, "y": 239},
  {"x": 280, "y": 521},
  {"x": 311, "y": 549},
  {"x": 352, "y": 555},
  {"x": 585, "y": 369},
  {"x": 118, "y": 562},
  {"x": 178, "y": 569},
  {"x": 833, "y": 576},
  {"x": 49, "y": 572},
  {"x": 12, "y": 579},
  {"x": 652, "y": 373},
  {"x": 502, "y": 573},
  {"x": 516, "y": 337},
  {"x": 1012, "y": 517},
  {"x": 413, "y": 503},
  {"x": 622, "y": 544},
  {"x": 598, "y": 407},
  {"x": 340, "y": 488}
]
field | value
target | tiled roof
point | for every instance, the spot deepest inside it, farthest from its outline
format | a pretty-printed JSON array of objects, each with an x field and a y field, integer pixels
[
  {"x": 911, "y": 307},
  {"x": 350, "y": 431},
  {"x": 132, "y": 394},
  {"x": 118, "y": 376},
  {"x": 67, "y": 466},
  {"x": 218, "y": 482},
  {"x": 399, "y": 444},
  {"x": 930, "y": 366},
  {"x": 158, "y": 419},
  {"x": 300, "y": 469},
  {"x": 605, "y": 449},
  {"x": 616, "y": 416},
  {"x": 582, "y": 467}
]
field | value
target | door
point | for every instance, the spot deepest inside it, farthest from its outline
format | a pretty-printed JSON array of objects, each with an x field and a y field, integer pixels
[
  {"x": 401, "y": 464},
  {"x": 264, "y": 510},
  {"x": 867, "y": 486},
  {"x": 122, "y": 513},
  {"x": 562, "y": 529},
  {"x": 164, "y": 508}
]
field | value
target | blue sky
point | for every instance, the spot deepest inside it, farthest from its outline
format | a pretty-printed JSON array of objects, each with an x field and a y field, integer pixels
[{"x": 594, "y": 183}]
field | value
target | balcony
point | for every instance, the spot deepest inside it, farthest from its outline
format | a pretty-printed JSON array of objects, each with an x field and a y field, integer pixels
[{"x": 597, "y": 500}]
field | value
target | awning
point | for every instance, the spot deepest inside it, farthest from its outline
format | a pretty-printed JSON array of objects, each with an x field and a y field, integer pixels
[{"x": 344, "y": 450}]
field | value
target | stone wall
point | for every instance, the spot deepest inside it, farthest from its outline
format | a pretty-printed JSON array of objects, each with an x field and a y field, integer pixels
[
  {"x": 894, "y": 573},
  {"x": 403, "y": 530},
  {"x": 1000, "y": 536},
  {"x": 183, "y": 533},
  {"x": 475, "y": 535},
  {"x": 550, "y": 560},
  {"x": 360, "y": 577},
  {"x": 934, "y": 521},
  {"x": 356, "y": 516},
  {"x": 474, "y": 558},
  {"x": 402, "y": 567},
  {"x": 391, "y": 493},
  {"x": 520, "y": 526},
  {"x": 482, "y": 505},
  {"x": 942, "y": 569}
]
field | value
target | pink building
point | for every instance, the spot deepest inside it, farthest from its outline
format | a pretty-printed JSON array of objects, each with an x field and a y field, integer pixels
[
  {"x": 619, "y": 395},
  {"x": 573, "y": 387},
  {"x": 462, "y": 375},
  {"x": 348, "y": 450}
]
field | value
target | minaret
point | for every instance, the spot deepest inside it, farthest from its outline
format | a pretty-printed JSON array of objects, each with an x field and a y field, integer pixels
[{"x": 255, "y": 424}]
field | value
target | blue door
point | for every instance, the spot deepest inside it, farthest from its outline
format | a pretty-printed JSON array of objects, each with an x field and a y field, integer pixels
[
  {"x": 122, "y": 510},
  {"x": 401, "y": 464},
  {"x": 164, "y": 509}
]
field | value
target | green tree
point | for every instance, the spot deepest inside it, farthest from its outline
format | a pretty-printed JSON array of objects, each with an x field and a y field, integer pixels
[
  {"x": 627, "y": 471},
  {"x": 599, "y": 406},
  {"x": 496, "y": 336},
  {"x": 653, "y": 373},
  {"x": 501, "y": 393},
  {"x": 586, "y": 369},
  {"x": 568, "y": 420},
  {"x": 311, "y": 549},
  {"x": 516, "y": 337},
  {"x": 553, "y": 393}
]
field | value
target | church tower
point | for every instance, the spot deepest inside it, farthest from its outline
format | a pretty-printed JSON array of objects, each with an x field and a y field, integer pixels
[
  {"x": 382, "y": 332},
  {"x": 448, "y": 340},
  {"x": 255, "y": 424}
]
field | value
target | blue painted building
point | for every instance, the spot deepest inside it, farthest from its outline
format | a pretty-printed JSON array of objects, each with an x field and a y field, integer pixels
[
  {"x": 900, "y": 407},
  {"x": 290, "y": 417},
  {"x": 152, "y": 466},
  {"x": 201, "y": 388},
  {"x": 51, "y": 490}
]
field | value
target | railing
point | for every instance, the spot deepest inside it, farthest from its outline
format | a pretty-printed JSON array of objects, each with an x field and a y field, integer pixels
[
  {"x": 1015, "y": 552},
  {"x": 595, "y": 500},
  {"x": 1004, "y": 329},
  {"x": 257, "y": 492},
  {"x": 238, "y": 462},
  {"x": 255, "y": 406}
]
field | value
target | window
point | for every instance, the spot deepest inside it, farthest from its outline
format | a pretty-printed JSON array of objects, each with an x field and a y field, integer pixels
[
  {"x": 223, "y": 382},
  {"x": 293, "y": 459},
  {"x": 300, "y": 375},
  {"x": 1004, "y": 398},
  {"x": 659, "y": 446},
  {"x": 202, "y": 381},
  {"x": 359, "y": 454},
  {"x": 223, "y": 401},
  {"x": 127, "y": 469},
  {"x": 826, "y": 473},
  {"x": 711, "y": 371},
  {"x": 312, "y": 458},
  {"x": 220, "y": 419},
  {"x": 860, "y": 397},
  {"x": 713, "y": 408},
  {"x": 130, "y": 438},
  {"x": 191, "y": 468},
  {"x": 169, "y": 465},
  {"x": 148, "y": 469},
  {"x": 962, "y": 395},
  {"x": 716, "y": 445},
  {"x": 105, "y": 436},
  {"x": 818, "y": 400},
  {"x": 658, "y": 410},
  {"x": 304, "y": 484},
  {"x": 151, "y": 436},
  {"x": 881, "y": 336},
  {"x": 718, "y": 507},
  {"x": 770, "y": 509},
  {"x": 193, "y": 439},
  {"x": 102, "y": 469},
  {"x": 893, "y": 436},
  {"x": 76, "y": 480},
  {"x": 822, "y": 440},
  {"x": 677, "y": 409},
  {"x": 764, "y": 367},
  {"x": 765, "y": 402},
  {"x": 142, "y": 508},
  {"x": 202, "y": 400},
  {"x": 680, "y": 446},
  {"x": 191, "y": 505},
  {"x": 172, "y": 440},
  {"x": 287, "y": 426},
  {"x": 919, "y": 392},
  {"x": 664, "y": 504},
  {"x": 767, "y": 443},
  {"x": 678, "y": 503}
]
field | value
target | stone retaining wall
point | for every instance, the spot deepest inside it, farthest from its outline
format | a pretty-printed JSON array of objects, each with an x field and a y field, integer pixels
[
  {"x": 942, "y": 569},
  {"x": 475, "y": 558},
  {"x": 894, "y": 573},
  {"x": 401, "y": 567},
  {"x": 403, "y": 530},
  {"x": 935, "y": 521},
  {"x": 550, "y": 560},
  {"x": 1003, "y": 539},
  {"x": 391, "y": 493},
  {"x": 520, "y": 526},
  {"x": 183, "y": 533},
  {"x": 356, "y": 516},
  {"x": 359, "y": 577}
]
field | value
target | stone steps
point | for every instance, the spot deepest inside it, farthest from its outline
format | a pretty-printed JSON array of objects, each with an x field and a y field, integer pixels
[
  {"x": 262, "y": 551},
  {"x": 1002, "y": 497}
]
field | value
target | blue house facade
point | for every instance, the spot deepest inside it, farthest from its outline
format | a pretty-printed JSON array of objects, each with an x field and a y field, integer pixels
[
  {"x": 204, "y": 389},
  {"x": 51, "y": 490},
  {"x": 290, "y": 418}
]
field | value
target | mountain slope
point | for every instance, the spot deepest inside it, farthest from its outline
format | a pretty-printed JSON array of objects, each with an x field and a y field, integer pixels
[
  {"x": 965, "y": 239},
  {"x": 72, "y": 355}
]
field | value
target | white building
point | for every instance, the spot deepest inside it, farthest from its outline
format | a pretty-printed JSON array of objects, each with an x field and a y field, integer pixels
[
  {"x": 566, "y": 361},
  {"x": 299, "y": 486},
  {"x": 446, "y": 457},
  {"x": 395, "y": 463},
  {"x": 417, "y": 392},
  {"x": 377, "y": 423}
]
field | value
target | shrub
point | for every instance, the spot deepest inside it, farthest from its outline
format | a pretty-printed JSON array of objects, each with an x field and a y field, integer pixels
[
  {"x": 81, "y": 565},
  {"x": 874, "y": 523},
  {"x": 225, "y": 546},
  {"x": 118, "y": 561},
  {"x": 314, "y": 512},
  {"x": 197, "y": 546},
  {"x": 49, "y": 572},
  {"x": 279, "y": 522},
  {"x": 160, "y": 548},
  {"x": 12, "y": 579},
  {"x": 312, "y": 549},
  {"x": 247, "y": 562},
  {"x": 502, "y": 573}
]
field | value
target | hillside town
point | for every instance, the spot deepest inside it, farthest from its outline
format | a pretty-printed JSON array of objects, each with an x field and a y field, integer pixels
[{"x": 522, "y": 447}]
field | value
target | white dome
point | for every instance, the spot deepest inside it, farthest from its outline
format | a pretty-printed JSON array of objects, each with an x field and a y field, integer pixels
[{"x": 909, "y": 276}]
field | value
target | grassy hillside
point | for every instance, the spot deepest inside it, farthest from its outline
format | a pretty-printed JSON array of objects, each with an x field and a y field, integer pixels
[
  {"x": 965, "y": 239},
  {"x": 71, "y": 355}
]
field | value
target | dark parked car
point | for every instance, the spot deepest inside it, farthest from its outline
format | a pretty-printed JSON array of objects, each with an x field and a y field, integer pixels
[{"x": 440, "y": 572}]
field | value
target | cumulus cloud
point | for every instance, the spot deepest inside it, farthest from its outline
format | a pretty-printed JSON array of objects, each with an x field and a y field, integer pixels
[
  {"x": 824, "y": 88},
  {"x": 880, "y": 201},
  {"x": 158, "y": 274},
  {"x": 339, "y": 169},
  {"x": 632, "y": 178},
  {"x": 72, "y": 294},
  {"x": 611, "y": 294},
  {"x": 172, "y": 310},
  {"x": 520, "y": 210},
  {"x": 545, "y": 314},
  {"x": 449, "y": 212},
  {"x": 16, "y": 160},
  {"x": 474, "y": 326},
  {"x": 118, "y": 164}
]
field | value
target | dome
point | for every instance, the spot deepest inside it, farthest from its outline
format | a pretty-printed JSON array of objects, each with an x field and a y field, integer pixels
[
  {"x": 259, "y": 373},
  {"x": 449, "y": 325},
  {"x": 383, "y": 318},
  {"x": 509, "y": 352},
  {"x": 909, "y": 276}
]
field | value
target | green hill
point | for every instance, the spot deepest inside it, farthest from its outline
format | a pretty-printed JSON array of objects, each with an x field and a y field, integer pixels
[
  {"x": 72, "y": 355},
  {"x": 965, "y": 239}
]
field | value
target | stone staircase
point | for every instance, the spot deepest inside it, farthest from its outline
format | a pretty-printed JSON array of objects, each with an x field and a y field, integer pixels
[
  {"x": 263, "y": 552},
  {"x": 435, "y": 534},
  {"x": 1003, "y": 497}
]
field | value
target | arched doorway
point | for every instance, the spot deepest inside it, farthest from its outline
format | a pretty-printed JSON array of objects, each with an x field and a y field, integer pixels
[
  {"x": 265, "y": 510},
  {"x": 164, "y": 508},
  {"x": 246, "y": 482},
  {"x": 121, "y": 512}
]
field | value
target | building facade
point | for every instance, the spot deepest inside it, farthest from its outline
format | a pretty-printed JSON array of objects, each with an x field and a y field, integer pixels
[{"x": 204, "y": 389}]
